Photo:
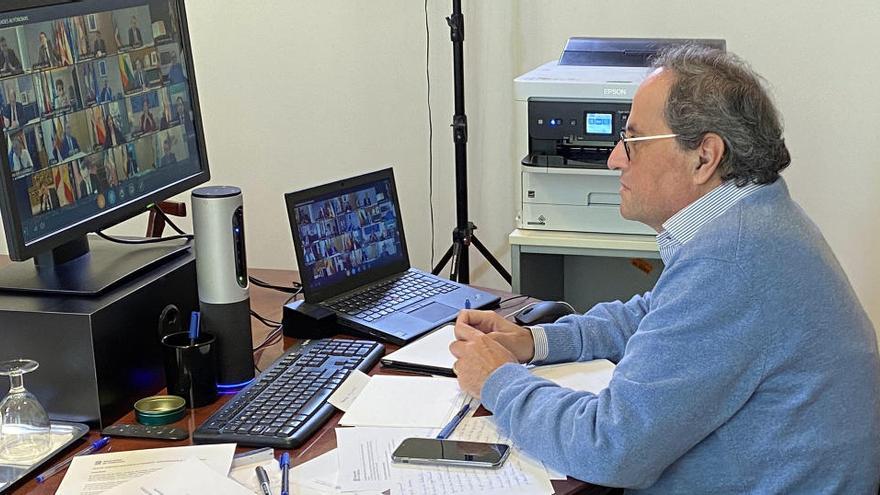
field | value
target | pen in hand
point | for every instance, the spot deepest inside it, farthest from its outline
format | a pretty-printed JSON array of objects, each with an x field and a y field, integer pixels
[
  {"x": 92, "y": 448},
  {"x": 263, "y": 478},
  {"x": 284, "y": 462}
]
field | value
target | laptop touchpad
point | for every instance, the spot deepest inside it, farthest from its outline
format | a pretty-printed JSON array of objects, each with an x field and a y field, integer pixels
[{"x": 434, "y": 312}]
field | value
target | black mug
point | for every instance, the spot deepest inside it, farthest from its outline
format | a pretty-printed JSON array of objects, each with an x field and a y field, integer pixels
[{"x": 190, "y": 367}]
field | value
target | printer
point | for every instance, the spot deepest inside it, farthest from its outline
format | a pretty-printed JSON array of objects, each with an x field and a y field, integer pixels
[{"x": 577, "y": 107}]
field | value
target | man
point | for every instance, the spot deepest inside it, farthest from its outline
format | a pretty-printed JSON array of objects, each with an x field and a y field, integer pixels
[
  {"x": 89, "y": 183},
  {"x": 46, "y": 54},
  {"x": 166, "y": 121},
  {"x": 750, "y": 367},
  {"x": 69, "y": 144},
  {"x": 140, "y": 78},
  {"x": 100, "y": 45},
  {"x": 131, "y": 164},
  {"x": 9, "y": 62},
  {"x": 168, "y": 156},
  {"x": 13, "y": 112},
  {"x": 183, "y": 116},
  {"x": 106, "y": 94},
  {"x": 19, "y": 157},
  {"x": 135, "y": 39},
  {"x": 175, "y": 71}
]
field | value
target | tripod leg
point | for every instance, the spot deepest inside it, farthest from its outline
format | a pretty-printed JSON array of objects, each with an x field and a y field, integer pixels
[
  {"x": 439, "y": 267},
  {"x": 455, "y": 271},
  {"x": 491, "y": 259}
]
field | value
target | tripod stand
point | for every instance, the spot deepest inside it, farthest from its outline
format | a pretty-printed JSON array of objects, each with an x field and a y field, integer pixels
[{"x": 463, "y": 233}]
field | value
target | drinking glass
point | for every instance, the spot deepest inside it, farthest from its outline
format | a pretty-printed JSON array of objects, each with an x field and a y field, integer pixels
[{"x": 24, "y": 424}]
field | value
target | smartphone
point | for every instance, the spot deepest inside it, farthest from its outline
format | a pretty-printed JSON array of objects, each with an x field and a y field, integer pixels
[{"x": 451, "y": 452}]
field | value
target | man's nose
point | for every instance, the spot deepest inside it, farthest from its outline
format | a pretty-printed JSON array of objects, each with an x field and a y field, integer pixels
[{"x": 617, "y": 159}]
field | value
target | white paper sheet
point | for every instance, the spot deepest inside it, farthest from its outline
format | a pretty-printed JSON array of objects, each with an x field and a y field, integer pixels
[
  {"x": 97, "y": 473},
  {"x": 244, "y": 467},
  {"x": 349, "y": 390},
  {"x": 189, "y": 477},
  {"x": 484, "y": 429},
  {"x": 319, "y": 477},
  {"x": 430, "y": 350},
  {"x": 590, "y": 376},
  {"x": 406, "y": 402},
  {"x": 365, "y": 455}
]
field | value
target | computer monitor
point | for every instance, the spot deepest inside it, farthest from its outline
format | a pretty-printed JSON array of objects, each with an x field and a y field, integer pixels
[{"x": 100, "y": 118}]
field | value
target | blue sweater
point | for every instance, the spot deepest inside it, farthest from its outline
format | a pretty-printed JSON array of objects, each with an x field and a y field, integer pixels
[{"x": 750, "y": 368}]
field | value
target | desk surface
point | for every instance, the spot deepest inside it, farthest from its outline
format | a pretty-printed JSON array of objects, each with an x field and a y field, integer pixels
[{"x": 267, "y": 303}]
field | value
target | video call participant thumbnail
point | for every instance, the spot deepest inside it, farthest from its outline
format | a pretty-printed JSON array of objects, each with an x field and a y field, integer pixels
[
  {"x": 20, "y": 160},
  {"x": 10, "y": 62}
]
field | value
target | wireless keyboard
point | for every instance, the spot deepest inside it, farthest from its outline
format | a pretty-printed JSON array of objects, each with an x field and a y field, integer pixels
[{"x": 287, "y": 402}]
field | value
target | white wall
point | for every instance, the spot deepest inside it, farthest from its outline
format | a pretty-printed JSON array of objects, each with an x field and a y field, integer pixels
[{"x": 299, "y": 93}]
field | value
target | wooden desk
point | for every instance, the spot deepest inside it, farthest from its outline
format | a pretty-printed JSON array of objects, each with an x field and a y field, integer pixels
[{"x": 267, "y": 303}]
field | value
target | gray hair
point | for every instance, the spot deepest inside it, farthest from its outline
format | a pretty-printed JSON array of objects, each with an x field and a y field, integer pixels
[{"x": 718, "y": 92}]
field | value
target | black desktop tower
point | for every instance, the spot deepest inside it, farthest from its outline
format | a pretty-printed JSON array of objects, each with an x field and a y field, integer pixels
[{"x": 98, "y": 354}]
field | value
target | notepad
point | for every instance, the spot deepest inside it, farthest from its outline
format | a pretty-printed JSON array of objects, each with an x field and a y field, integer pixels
[
  {"x": 429, "y": 354},
  {"x": 406, "y": 401}
]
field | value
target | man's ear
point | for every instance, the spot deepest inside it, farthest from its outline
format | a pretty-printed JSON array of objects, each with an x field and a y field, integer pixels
[{"x": 709, "y": 154}]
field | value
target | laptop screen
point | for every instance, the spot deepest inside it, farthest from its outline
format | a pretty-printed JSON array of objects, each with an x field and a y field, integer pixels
[{"x": 351, "y": 231}]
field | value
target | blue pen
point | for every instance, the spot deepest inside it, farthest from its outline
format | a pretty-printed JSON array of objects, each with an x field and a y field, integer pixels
[
  {"x": 284, "y": 462},
  {"x": 467, "y": 304},
  {"x": 194, "y": 321},
  {"x": 94, "y": 447},
  {"x": 450, "y": 427}
]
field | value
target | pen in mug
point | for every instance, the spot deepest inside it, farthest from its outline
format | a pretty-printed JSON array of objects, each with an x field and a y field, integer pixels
[
  {"x": 194, "y": 321},
  {"x": 93, "y": 447}
]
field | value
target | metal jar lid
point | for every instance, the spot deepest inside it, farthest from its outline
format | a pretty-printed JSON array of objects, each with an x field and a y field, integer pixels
[{"x": 159, "y": 409}]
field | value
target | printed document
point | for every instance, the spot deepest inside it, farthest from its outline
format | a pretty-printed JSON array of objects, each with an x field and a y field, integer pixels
[
  {"x": 186, "y": 478},
  {"x": 97, "y": 473}
]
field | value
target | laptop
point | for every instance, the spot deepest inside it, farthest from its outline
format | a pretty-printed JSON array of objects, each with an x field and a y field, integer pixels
[{"x": 353, "y": 260}]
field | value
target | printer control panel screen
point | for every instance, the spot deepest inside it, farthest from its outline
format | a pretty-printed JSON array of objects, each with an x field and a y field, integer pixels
[{"x": 599, "y": 123}]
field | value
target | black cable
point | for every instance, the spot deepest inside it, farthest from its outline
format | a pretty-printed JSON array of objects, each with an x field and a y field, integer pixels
[
  {"x": 150, "y": 240},
  {"x": 521, "y": 296},
  {"x": 291, "y": 298},
  {"x": 167, "y": 219},
  {"x": 265, "y": 321},
  {"x": 430, "y": 131},
  {"x": 295, "y": 287},
  {"x": 272, "y": 338}
]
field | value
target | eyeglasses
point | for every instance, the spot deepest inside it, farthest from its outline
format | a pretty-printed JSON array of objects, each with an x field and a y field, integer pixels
[{"x": 626, "y": 140}]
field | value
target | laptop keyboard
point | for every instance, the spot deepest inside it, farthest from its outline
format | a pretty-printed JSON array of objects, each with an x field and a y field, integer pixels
[{"x": 390, "y": 296}]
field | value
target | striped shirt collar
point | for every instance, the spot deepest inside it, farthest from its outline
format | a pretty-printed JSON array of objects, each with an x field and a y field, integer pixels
[{"x": 684, "y": 225}]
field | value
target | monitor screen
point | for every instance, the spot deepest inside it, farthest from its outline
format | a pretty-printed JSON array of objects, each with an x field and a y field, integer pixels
[
  {"x": 347, "y": 233},
  {"x": 99, "y": 116}
]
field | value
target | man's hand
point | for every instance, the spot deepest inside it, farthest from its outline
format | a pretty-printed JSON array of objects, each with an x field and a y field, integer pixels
[
  {"x": 513, "y": 337},
  {"x": 478, "y": 356}
]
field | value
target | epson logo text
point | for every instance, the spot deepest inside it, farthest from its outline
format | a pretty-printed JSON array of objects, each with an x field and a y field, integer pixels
[{"x": 615, "y": 92}]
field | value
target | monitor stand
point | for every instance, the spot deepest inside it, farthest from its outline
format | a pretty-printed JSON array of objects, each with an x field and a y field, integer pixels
[{"x": 87, "y": 266}]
